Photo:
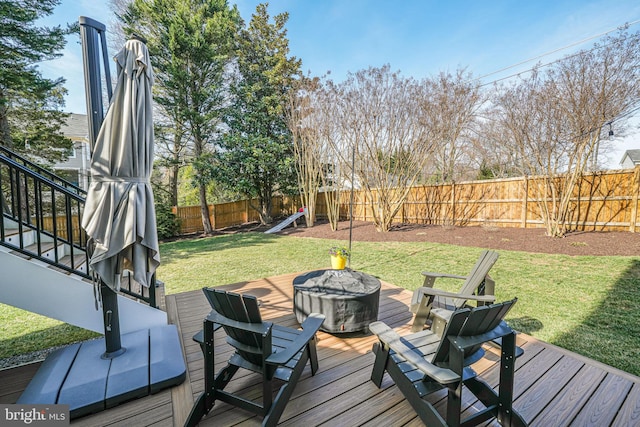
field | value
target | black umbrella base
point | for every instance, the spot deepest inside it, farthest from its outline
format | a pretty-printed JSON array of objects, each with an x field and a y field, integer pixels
[{"x": 78, "y": 375}]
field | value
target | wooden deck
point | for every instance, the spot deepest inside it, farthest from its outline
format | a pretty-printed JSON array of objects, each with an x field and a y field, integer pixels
[{"x": 553, "y": 387}]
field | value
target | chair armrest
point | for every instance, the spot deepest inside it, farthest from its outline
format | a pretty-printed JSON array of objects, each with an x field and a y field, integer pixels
[
  {"x": 389, "y": 337},
  {"x": 430, "y": 278},
  {"x": 446, "y": 294},
  {"x": 445, "y": 275},
  {"x": 219, "y": 320},
  {"x": 309, "y": 328},
  {"x": 199, "y": 336}
]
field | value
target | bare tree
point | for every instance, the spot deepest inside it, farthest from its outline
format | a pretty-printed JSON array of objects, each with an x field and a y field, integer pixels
[
  {"x": 555, "y": 121},
  {"x": 116, "y": 34},
  {"x": 384, "y": 120},
  {"x": 315, "y": 118},
  {"x": 453, "y": 105},
  {"x": 492, "y": 158},
  {"x": 336, "y": 151},
  {"x": 304, "y": 124}
]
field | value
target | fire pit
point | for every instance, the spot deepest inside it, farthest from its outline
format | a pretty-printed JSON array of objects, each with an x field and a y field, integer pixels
[{"x": 348, "y": 299}]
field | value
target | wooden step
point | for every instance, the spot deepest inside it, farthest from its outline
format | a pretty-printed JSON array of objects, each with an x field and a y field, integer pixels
[
  {"x": 12, "y": 236},
  {"x": 79, "y": 263},
  {"x": 11, "y": 231},
  {"x": 46, "y": 249}
]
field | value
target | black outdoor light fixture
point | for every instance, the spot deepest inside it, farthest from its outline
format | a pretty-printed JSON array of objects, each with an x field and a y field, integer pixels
[{"x": 610, "y": 130}]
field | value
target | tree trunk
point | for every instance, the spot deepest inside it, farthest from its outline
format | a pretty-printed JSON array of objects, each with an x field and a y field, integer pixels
[
  {"x": 175, "y": 170},
  {"x": 265, "y": 209},
  {"x": 204, "y": 210},
  {"x": 5, "y": 139},
  {"x": 5, "y": 131},
  {"x": 310, "y": 204},
  {"x": 332, "y": 208},
  {"x": 173, "y": 185}
]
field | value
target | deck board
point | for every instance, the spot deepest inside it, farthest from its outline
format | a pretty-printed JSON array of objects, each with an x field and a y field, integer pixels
[{"x": 552, "y": 386}]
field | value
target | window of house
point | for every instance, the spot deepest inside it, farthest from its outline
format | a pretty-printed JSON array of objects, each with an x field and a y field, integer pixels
[{"x": 69, "y": 175}]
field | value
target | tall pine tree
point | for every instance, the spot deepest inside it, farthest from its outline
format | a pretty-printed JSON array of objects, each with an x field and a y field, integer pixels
[
  {"x": 256, "y": 158},
  {"x": 30, "y": 105},
  {"x": 191, "y": 43}
]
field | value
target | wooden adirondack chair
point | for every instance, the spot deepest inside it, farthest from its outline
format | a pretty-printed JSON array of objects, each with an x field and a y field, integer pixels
[
  {"x": 436, "y": 305},
  {"x": 422, "y": 363},
  {"x": 275, "y": 352}
]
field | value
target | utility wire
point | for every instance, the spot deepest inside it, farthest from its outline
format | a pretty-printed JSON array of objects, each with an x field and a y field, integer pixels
[
  {"x": 625, "y": 115},
  {"x": 625, "y": 26},
  {"x": 543, "y": 65},
  {"x": 604, "y": 123}
]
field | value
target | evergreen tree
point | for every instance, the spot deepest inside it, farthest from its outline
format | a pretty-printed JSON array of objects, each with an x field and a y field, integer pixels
[
  {"x": 191, "y": 43},
  {"x": 30, "y": 105},
  {"x": 256, "y": 156}
]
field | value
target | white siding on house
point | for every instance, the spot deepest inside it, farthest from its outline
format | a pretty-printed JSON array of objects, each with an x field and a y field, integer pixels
[
  {"x": 630, "y": 159},
  {"x": 77, "y": 130}
]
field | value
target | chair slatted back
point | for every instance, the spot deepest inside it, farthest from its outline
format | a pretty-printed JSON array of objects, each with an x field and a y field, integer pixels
[
  {"x": 470, "y": 322},
  {"x": 251, "y": 346},
  {"x": 474, "y": 281}
]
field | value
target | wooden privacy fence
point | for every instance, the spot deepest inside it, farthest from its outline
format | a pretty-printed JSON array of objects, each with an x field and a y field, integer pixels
[
  {"x": 604, "y": 201},
  {"x": 228, "y": 214},
  {"x": 60, "y": 227}
]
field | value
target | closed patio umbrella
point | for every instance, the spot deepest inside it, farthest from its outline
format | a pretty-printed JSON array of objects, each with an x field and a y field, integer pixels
[
  {"x": 119, "y": 215},
  {"x": 119, "y": 219}
]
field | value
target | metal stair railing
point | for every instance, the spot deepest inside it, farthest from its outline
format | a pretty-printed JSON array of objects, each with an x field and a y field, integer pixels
[
  {"x": 51, "y": 176},
  {"x": 51, "y": 209}
]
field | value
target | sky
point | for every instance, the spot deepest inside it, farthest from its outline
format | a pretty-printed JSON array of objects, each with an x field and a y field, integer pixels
[{"x": 418, "y": 38}]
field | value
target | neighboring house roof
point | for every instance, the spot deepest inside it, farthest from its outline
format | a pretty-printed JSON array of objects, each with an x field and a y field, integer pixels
[
  {"x": 76, "y": 127},
  {"x": 634, "y": 156}
]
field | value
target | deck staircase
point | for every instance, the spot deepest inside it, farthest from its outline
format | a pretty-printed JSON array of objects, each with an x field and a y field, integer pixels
[{"x": 43, "y": 257}]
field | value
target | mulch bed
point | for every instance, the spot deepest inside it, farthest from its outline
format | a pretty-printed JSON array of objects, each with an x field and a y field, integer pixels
[{"x": 513, "y": 239}]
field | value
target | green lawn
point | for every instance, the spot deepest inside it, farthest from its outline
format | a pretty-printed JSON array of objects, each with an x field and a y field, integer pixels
[{"x": 589, "y": 305}]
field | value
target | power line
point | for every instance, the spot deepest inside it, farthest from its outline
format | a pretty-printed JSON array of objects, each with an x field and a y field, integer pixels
[
  {"x": 625, "y": 26},
  {"x": 626, "y": 114},
  {"x": 542, "y": 65}
]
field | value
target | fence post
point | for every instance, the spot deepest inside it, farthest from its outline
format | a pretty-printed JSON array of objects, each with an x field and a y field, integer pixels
[
  {"x": 525, "y": 200},
  {"x": 634, "y": 199},
  {"x": 442, "y": 206},
  {"x": 453, "y": 203}
]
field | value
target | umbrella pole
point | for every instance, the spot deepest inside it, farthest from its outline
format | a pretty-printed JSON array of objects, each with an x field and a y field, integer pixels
[
  {"x": 111, "y": 322},
  {"x": 353, "y": 167}
]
